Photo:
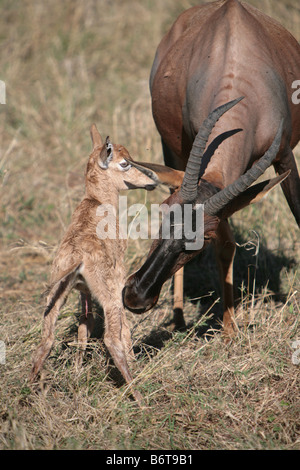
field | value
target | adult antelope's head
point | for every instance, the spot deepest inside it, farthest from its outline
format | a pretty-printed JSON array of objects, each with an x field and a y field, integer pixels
[{"x": 166, "y": 256}]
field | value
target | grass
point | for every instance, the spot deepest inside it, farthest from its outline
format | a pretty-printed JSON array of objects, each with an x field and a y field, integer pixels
[{"x": 66, "y": 65}]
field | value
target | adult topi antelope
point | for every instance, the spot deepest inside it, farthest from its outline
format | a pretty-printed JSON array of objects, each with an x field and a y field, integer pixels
[{"x": 214, "y": 55}]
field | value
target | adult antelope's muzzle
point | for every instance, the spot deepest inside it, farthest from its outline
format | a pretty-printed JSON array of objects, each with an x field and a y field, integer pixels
[
  {"x": 135, "y": 298},
  {"x": 142, "y": 289}
]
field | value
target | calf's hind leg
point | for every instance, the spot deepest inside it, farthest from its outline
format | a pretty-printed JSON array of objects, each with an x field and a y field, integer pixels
[
  {"x": 86, "y": 325},
  {"x": 47, "y": 340}
]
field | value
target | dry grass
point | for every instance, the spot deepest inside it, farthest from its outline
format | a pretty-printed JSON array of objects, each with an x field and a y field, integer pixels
[{"x": 66, "y": 65}]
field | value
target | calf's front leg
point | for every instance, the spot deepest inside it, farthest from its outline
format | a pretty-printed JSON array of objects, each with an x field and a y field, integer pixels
[{"x": 116, "y": 344}]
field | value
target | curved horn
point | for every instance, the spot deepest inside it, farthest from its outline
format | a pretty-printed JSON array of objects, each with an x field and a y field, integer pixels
[
  {"x": 189, "y": 185},
  {"x": 218, "y": 201}
]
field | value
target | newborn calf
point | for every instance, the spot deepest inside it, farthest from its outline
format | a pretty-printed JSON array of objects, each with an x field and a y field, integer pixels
[{"x": 93, "y": 265}]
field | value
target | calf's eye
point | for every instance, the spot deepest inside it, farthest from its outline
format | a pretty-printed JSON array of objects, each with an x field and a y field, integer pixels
[{"x": 124, "y": 165}]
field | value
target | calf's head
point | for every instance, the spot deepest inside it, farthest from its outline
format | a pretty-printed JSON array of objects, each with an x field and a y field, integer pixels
[{"x": 112, "y": 163}]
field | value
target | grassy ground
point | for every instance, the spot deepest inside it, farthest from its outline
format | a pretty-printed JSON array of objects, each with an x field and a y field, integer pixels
[{"x": 66, "y": 65}]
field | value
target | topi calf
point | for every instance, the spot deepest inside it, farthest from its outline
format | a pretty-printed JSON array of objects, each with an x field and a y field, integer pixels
[{"x": 93, "y": 265}]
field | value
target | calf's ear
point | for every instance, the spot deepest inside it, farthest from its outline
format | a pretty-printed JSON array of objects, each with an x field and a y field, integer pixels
[{"x": 96, "y": 137}]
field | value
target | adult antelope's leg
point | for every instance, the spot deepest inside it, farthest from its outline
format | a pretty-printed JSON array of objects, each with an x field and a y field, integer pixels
[
  {"x": 225, "y": 251},
  {"x": 177, "y": 323},
  {"x": 178, "y": 317},
  {"x": 291, "y": 185},
  {"x": 86, "y": 325}
]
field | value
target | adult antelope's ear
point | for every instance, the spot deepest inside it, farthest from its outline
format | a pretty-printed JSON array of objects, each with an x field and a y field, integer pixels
[
  {"x": 96, "y": 137},
  {"x": 253, "y": 194},
  {"x": 160, "y": 173}
]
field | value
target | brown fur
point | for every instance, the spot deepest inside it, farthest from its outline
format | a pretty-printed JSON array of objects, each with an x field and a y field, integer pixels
[
  {"x": 214, "y": 53},
  {"x": 92, "y": 265}
]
